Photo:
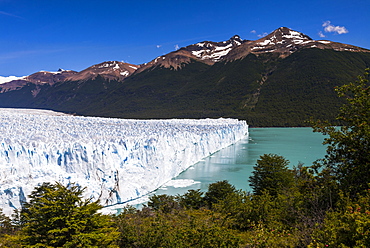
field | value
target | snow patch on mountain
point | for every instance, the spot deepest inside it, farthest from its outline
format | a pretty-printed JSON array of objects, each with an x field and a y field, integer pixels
[
  {"x": 324, "y": 41},
  {"x": 294, "y": 35},
  {"x": 125, "y": 73},
  {"x": 133, "y": 67},
  {"x": 218, "y": 53},
  {"x": 117, "y": 160},
  {"x": 113, "y": 64},
  {"x": 283, "y": 36},
  {"x": 214, "y": 51}
]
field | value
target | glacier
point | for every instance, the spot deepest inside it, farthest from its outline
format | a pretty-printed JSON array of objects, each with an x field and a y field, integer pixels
[{"x": 117, "y": 160}]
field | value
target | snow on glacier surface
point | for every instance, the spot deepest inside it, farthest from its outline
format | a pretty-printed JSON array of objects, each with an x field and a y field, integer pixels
[{"x": 116, "y": 159}]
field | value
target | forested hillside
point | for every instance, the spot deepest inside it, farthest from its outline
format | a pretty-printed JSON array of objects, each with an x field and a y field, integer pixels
[{"x": 265, "y": 90}]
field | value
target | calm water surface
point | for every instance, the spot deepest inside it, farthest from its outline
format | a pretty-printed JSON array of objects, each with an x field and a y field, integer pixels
[{"x": 235, "y": 163}]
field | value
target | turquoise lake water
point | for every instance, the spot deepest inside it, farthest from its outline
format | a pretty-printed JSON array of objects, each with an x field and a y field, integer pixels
[{"x": 235, "y": 163}]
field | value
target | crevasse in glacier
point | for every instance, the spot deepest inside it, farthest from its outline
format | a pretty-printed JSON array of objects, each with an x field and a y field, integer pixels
[{"x": 115, "y": 159}]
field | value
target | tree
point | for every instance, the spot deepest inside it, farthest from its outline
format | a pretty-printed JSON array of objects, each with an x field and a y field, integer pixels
[
  {"x": 218, "y": 191},
  {"x": 347, "y": 226},
  {"x": 271, "y": 174},
  {"x": 164, "y": 203},
  {"x": 348, "y": 152},
  {"x": 192, "y": 199},
  {"x": 57, "y": 216},
  {"x": 6, "y": 226},
  {"x": 185, "y": 228}
]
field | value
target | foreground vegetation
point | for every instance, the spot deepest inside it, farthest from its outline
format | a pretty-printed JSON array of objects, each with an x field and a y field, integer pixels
[{"x": 323, "y": 205}]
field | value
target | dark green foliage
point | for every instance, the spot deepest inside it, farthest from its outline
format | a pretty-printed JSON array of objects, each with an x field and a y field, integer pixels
[
  {"x": 179, "y": 221},
  {"x": 149, "y": 94},
  {"x": 164, "y": 203},
  {"x": 347, "y": 226},
  {"x": 56, "y": 216},
  {"x": 218, "y": 191},
  {"x": 193, "y": 199},
  {"x": 6, "y": 226},
  {"x": 315, "y": 196},
  {"x": 234, "y": 219},
  {"x": 74, "y": 97},
  {"x": 271, "y": 175},
  {"x": 186, "y": 228},
  {"x": 302, "y": 86},
  {"x": 348, "y": 153}
]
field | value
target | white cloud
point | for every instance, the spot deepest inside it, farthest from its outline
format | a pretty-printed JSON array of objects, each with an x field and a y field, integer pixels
[
  {"x": 8, "y": 79},
  {"x": 158, "y": 46},
  {"x": 253, "y": 31},
  {"x": 328, "y": 27},
  {"x": 321, "y": 35},
  {"x": 177, "y": 47},
  {"x": 262, "y": 35}
]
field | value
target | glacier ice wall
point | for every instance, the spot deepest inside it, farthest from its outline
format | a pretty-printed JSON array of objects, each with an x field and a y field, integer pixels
[{"x": 116, "y": 159}]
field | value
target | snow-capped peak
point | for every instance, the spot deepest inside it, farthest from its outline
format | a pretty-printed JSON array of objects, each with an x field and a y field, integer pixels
[
  {"x": 283, "y": 36},
  {"x": 214, "y": 51},
  {"x": 112, "y": 70},
  {"x": 108, "y": 64},
  {"x": 236, "y": 40},
  {"x": 287, "y": 33},
  {"x": 283, "y": 41}
]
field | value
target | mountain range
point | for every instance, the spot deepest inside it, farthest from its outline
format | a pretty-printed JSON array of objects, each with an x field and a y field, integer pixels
[{"x": 282, "y": 79}]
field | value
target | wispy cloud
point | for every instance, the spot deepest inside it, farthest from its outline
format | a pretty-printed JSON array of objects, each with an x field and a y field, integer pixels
[
  {"x": 253, "y": 31},
  {"x": 262, "y": 35},
  {"x": 9, "y": 14},
  {"x": 329, "y": 28},
  {"x": 321, "y": 34},
  {"x": 158, "y": 46},
  {"x": 177, "y": 47}
]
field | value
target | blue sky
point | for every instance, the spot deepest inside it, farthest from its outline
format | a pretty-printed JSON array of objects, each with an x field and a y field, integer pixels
[{"x": 75, "y": 34}]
